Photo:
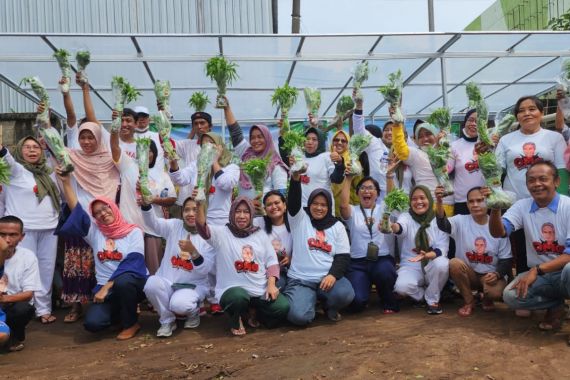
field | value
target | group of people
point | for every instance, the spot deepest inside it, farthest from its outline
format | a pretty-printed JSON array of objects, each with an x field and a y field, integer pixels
[{"x": 312, "y": 240}]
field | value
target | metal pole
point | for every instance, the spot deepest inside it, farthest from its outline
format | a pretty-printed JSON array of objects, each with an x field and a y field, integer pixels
[
  {"x": 443, "y": 81},
  {"x": 430, "y": 16},
  {"x": 296, "y": 17},
  {"x": 274, "y": 16}
]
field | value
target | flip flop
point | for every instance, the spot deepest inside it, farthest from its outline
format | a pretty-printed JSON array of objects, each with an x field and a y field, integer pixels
[
  {"x": 466, "y": 310},
  {"x": 552, "y": 320},
  {"x": 47, "y": 319},
  {"x": 72, "y": 316},
  {"x": 239, "y": 332}
]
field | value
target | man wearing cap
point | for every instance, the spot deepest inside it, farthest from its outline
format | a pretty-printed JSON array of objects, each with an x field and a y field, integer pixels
[{"x": 142, "y": 130}]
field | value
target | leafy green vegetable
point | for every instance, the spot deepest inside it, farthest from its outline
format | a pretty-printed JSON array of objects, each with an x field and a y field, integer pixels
[
  {"x": 55, "y": 143},
  {"x": 359, "y": 76},
  {"x": 396, "y": 200},
  {"x": 492, "y": 172},
  {"x": 482, "y": 130},
  {"x": 344, "y": 104},
  {"x": 438, "y": 157},
  {"x": 223, "y": 72},
  {"x": 5, "y": 172},
  {"x": 256, "y": 169},
  {"x": 473, "y": 94},
  {"x": 62, "y": 57},
  {"x": 357, "y": 145},
  {"x": 566, "y": 69},
  {"x": 162, "y": 93},
  {"x": 199, "y": 100},
  {"x": 162, "y": 123},
  {"x": 142, "y": 149},
  {"x": 40, "y": 91},
  {"x": 83, "y": 58},
  {"x": 205, "y": 160},
  {"x": 312, "y": 100},
  {"x": 441, "y": 118},
  {"x": 123, "y": 92},
  {"x": 392, "y": 92},
  {"x": 292, "y": 139},
  {"x": 502, "y": 127},
  {"x": 285, "y": 97}
]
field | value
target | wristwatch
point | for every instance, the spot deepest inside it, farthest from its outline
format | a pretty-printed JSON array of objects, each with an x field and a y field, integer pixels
[
  {"x": 194, "y": 254},
  {"x": 539, "y": 271}
]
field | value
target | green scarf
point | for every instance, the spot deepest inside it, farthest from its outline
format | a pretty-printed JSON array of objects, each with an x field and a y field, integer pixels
[
  {"x": 424, "y": 220},
  {"x": 41, "y": 174}
]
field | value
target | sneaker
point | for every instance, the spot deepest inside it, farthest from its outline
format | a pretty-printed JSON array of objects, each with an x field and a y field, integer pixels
[
  {"x": 216, "y": 309},
  {"x": 166, "y": 330},
  {"x": 434, "y": 309},
  {"x": 192, "y": 321}
]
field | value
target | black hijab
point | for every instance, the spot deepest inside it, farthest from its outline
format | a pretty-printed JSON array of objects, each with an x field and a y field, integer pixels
[
  {"x": 329, "y": 220},
  {"x": 321, "y": 147}
]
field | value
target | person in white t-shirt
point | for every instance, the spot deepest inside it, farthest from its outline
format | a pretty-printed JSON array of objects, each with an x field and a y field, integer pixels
[
  {"x": 321, "y": 257},
  {"x": 246, "y": 266},
  {"x": 481, "y": 262},
  {"x": 371, "y": 261},
  {"x": 545, "y": 218},
  {"x": 276, "y": 225},
  {"x": 181, "y": 282},
  {"x": 142, "y": 130},
  {"x": 424, "y": 267},
  {"x": 4, "y": 328},
  {"x": 20, "y": 280},
  {"x": 33, "y": 196}
]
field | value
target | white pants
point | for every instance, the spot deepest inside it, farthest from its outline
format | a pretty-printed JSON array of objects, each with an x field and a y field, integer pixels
[
  {"x": 169, "y": 303},
  {"x": 44, "y": 244},
  {"x": 412, "y": 281}
]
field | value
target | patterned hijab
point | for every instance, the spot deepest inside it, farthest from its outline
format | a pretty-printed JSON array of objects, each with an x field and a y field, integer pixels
[{"x": 235, "y": 230}]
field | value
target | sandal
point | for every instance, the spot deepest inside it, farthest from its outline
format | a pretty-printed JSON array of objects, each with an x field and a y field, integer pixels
[
  {"x": 47, "y": 319},
  {"x": 552, "y": 320},
  {"x": 74, "y": 315},
  {"x": 466, "y": 310},
  {"x": 239, "y": 332}
]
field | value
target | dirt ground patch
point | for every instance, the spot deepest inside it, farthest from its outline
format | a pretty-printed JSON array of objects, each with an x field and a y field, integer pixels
[{"x": 408, "y": 345}]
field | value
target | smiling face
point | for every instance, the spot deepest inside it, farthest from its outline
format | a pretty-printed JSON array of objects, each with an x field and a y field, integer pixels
[
  {"x": 476, "y": 203},
  {"x": 340, "y": 143},
  {"x": 31, "y": 151},
  {"x": 189, "y": 213},
  {"x": 419, "y": 202},
  {"x": 319, "y": 207},
  {"x": 529, "y": 115},
  {"x": 425, "y": 138},
  {"x": 128, "y": 125},
  {"x": 257, "y": 140},
  {"x": 311, "y": 142},
  {"x": 87, "y": 141},
  {"x": 102, "y": 213},
  {"x": 542, "y": 184},
  {"x": 367, "y": 194},
  {"x": 275, "y": 208},
  {"x": 471, "y": 125},
  {"x": 387, "y": 135},
  {"x": 242, "y": 217},
  {"x": 529, "y": 149}
]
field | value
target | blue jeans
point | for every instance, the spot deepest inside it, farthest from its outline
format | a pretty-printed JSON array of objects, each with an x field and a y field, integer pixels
[
  {"x": 303, "y": 296},
  {"x": 548, "y": 291},
  {"x": 120, "y": 304},
  {"x": 382, "y": 273}
]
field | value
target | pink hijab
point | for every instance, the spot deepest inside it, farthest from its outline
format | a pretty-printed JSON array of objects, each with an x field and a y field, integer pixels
[
  {"x": 275, "y": 158},
  {"x": 119, "y": 228},
  {"x": 95, "y": 172}
]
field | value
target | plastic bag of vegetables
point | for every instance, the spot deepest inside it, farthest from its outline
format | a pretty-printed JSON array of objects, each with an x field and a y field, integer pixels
[
  {"x": 396, "y": 200},
  {"x": 83, "y": 58},
  {"x": 503, "y": 123},
  {"x": 5, "y": 171},
  {"x": 438, "y": 156},
  {"x": 313, "y": 102},
  {"x": 55, "y": 144},
  {"x": 285, "y": 98},
  {"x": 256, "y": 170},
  {"x": 206, "y": 158},
  {"x": 392, "y": 93},
  {"x": 199, "y": 100},
  {"x": 62, "y": 57},
  {"x": 293, "y": 143},
  {"x": 123, "y": 92},
  {"x": 223, "y": 72},
  {"x": 345, "y": 104},
  {"x": 142, "y": 149},
  {"x": 162, "y": 93},
  {"x": 476, "y": 101},
  {"x": 40, "y": 91},
  {"x": 441, "y": 118},
  {"x": 359, "y": 76},
  {"x": 357, "y": 145},
  {"x": 492, "y": 171},
  {"x": 163, "y": 126}
]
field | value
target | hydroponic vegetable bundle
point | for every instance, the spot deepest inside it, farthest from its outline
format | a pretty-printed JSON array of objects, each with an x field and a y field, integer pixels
[
  {"x": 55, "y": 144},
  {"x": 123, "y": 92},
  {"x": 199, "y": 100},
  {"x": 396, "y": 200},
  {"x": 359, "y": 76},
  {"x": 163, "y": 126},
  {"x": 392, "y": 93},
  {"x": 476, "y": 101},
  {"x": 357, "y": 145},
  {"x": 205, "y": 160},
  {"x": 344, "y": 104},
  {"x": 5, "y": 171},
  {"x": 223, "y": 72},
  {"x": 293, "y": 143},
  {"x": 83, "y": 58},
  {"x": 492, "y": 171},
  {"x": 441, "y": 118},
  {"x": 285, "y": 98},
  {"x": 438, "y": 156},
  {"x": 313, "y": 101},
  {"x": 162, "y": 93},
  {"x": 142, "y": 149},
  {"x": 40, "y": 91},
  {"x": 503, "y": 124},
  {"x": 62, "y": 57},
  {"x": 256, "y": 170}
]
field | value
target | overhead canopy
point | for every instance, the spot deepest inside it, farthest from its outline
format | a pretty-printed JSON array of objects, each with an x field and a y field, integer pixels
[{"x": 435, "y": 67}]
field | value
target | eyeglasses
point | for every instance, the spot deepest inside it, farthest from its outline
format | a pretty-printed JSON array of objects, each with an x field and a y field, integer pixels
[
  {"x": 341, "y": 141},
  {"x": 30, "y": 147},
  {"x": 472, "y": 120},
  {"x": 104, "y": 209},
  {"x": 367, "y": 188}
]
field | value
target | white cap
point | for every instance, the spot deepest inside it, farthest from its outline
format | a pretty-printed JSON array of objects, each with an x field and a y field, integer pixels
[{"x": 141, "y": 109}]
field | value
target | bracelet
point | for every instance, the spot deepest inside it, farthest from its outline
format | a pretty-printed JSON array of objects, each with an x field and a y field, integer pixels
[
  {"x": 390, "y": 176},
  {"x": 194, "y": 254},
  {"x": 539, "y": 271}
]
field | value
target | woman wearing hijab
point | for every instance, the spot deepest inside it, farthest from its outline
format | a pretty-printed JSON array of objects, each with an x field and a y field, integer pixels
[
  {"x": 321, "y": 257},
  {"x": 161, "y": 187},
  {"x": 119, "y": 264},
  {"x": 181, "y": 282},
  {"x": 260, "y": 145},
  {"x": 464, "y": 164},
  {"x": 94, "y": 176},
  {"x": 33, "y": 196},
  {"x": 339, "y": 145},
  {"x": 424, "y": 267},
  {"x": 246, "y": 266}
]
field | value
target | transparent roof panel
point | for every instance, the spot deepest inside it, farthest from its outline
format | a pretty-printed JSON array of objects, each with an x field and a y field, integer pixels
[
  {"x": 508, "y": 69},
  {"x": 322, "y": 73},
  {"x": 471, "y": 43},
  {"x": 262, "y": 74},
  {"x": 24, "y": 46},
  {"x": 97, "y": 45},
  {"x": 425, "y": 43},
  {"x": 544, "y": 42},
  {"x": 261, "y": 46},
  {"x": 159, "y": 46},
  {"x": 337, "y": 45}
]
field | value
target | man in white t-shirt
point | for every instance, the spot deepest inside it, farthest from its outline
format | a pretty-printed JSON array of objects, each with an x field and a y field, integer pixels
[
  {"x": 545, "y": 219},
  {"x": 20, "y": 280}
]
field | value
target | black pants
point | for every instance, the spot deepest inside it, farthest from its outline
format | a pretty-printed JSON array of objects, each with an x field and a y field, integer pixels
[
  {"x": 518, "y": 244},
  {"x": 18, "y": 315},
  {"x": 120, "y": 304}
]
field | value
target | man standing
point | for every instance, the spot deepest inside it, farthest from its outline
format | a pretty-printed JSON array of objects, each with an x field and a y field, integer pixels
[
  {"x": 547, "y": 283},
  {"x": 20, "y": 280}
]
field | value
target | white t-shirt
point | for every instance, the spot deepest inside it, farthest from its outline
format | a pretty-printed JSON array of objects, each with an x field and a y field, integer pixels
[
  {"x": 319, "y": 170},
  {"x": 546, "y": 231},
  {"x": 21, "y": 199},
  {"x": 281, "y": 239},
  {"x": 437, "y": 239},
  {"x": 314, "y": 250},
  {"x": 108, "y": 253},
  {"x": 360, "y": 235},
  {"x": 464, "y": 163},
  {"x": 188, "y": 151},
  {"x": 241, "y": 261},
  {"x": 475, "y": 245},
  {"x": 21, "y": 273},
  {"x": 220, "y": 198},
  {"x": 418, "y": 162},
  {"x": 158, "y": 180},
  {"x": 517, "y": 151},
  {"x": 177, "y": 266}
]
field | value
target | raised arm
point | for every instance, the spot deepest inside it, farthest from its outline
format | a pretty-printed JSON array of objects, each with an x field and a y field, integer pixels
[
  {"x": 236, "y": 132},
  {"x": 115, "y": 146},
  {"x": 68, "y": 192},
  {"x": 68, "y": 105},
  {"x": 87, "y": 102},
  {"x": 345, "y": 209},
  {"x": 201, "y": 224},
  {"x": 294, "y": 198}
]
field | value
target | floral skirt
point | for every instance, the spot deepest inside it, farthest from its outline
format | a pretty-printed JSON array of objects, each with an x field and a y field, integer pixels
[{"x": 78, "y": 271}]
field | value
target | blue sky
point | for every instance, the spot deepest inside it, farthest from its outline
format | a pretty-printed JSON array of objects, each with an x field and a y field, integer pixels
[{"x": 380, "y": 16}]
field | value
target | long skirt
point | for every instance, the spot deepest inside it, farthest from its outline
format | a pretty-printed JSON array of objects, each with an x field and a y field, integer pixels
[{"x": 78, "y": 271}]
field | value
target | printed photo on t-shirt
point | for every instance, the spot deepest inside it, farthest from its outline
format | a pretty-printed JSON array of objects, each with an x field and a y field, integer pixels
[
  {"x": 279, "y": 249},
  {"x": 479, "y": 254},
  {"x": 182, "y": 261},
  {"x": 247, "y": 264},
  {"x": 110, "y": 253},
  {"x": 4, "y": 284},
  {"x": 528, "y": 157},
  {"x": 473, "y": 165},
  {"x": 548, "y": 243},
  {"x": 319, "y": 243}
]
